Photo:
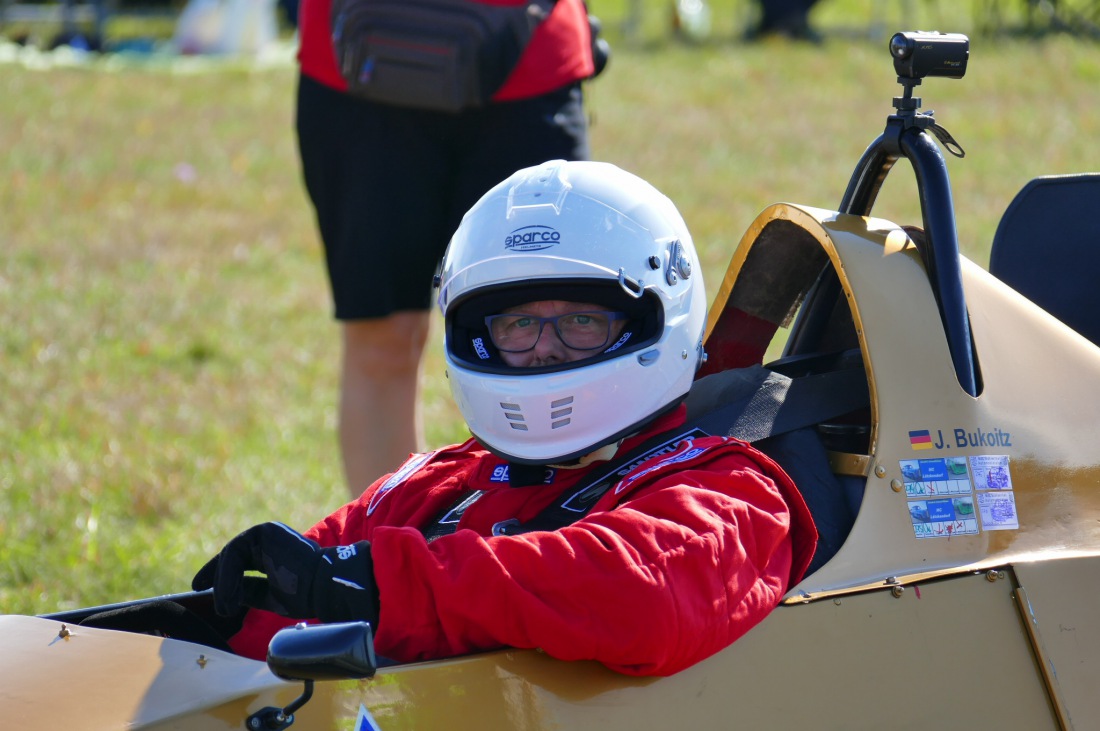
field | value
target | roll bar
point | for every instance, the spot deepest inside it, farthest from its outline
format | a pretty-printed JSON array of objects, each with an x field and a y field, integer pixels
[{"x": 912, "y": 134}]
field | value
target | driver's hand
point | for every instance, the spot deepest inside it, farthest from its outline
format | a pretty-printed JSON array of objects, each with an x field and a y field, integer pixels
[{"x": 302, "y": 579}]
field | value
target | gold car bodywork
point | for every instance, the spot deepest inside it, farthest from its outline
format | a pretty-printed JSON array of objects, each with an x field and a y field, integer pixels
[{"x": 984, "y": 620}]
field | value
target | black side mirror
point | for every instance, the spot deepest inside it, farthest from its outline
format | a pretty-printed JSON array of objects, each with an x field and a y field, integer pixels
[
  {"x": 323, "y": 652},
  {"x": 315, "y": 652}
]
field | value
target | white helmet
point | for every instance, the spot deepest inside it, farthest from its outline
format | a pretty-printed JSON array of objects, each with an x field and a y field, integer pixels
[{"x": 584, "y": 232}]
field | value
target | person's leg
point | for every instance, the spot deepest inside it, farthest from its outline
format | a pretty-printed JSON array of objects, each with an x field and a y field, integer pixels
[
  {"x": 374, "y": 174},
  {"x": 379, "y": 422}
]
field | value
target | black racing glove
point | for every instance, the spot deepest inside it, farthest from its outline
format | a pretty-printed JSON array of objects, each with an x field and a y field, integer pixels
[{"x": 302, "y": 581}]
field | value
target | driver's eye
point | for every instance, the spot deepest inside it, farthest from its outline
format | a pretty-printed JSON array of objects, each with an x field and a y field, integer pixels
[{"x": 523, "y": 322}]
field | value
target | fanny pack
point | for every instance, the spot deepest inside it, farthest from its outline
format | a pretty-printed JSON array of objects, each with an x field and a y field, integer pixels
[{"x": 439, "y": 55}]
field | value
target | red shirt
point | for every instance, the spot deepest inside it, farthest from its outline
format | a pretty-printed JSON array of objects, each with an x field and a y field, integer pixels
[
  {"x": 560, "y": 52},
  {"x": 676, "y": 561}
]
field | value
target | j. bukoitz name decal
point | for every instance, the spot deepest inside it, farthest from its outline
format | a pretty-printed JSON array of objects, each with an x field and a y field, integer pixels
[{"x": 925, "y": 439}]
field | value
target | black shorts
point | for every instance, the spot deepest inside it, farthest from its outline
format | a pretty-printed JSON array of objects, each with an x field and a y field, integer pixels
[{"x": 391, "y": 185}]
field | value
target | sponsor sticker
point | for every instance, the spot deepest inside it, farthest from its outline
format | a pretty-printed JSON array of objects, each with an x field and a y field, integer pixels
[
  {"x": 959, "y": 495},
  {"x": 930, "y": 477},
  {"x": 943, "y": 517},
  {"x": 532, "y": 238},
  {"x": 991, "y": 472},
  {"x": 501, "y": 473},
  {"x": 998, "y": 510}
]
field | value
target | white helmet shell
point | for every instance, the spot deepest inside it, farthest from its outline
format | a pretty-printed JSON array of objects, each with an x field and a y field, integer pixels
[{"x": 577, "y": 231}]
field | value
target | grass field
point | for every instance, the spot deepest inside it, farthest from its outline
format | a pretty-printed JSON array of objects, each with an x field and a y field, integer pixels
[{"x": 167, "y": 355}]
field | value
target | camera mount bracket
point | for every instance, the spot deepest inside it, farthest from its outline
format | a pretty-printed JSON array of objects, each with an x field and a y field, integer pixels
[{"x": 909, "y": 115}]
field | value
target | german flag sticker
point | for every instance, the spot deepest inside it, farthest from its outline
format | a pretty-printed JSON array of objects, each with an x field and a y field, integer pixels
[{"x": 920, "y": 439}]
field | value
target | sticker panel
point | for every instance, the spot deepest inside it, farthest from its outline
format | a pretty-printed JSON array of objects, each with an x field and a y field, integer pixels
[
  {"x": 932, "y": 477},
  {"x": 959, "y": 495},
  {"x": 943, "y": 517},
  {"x": 998, "y": 510},
  {"x": 991, "y": 472}
]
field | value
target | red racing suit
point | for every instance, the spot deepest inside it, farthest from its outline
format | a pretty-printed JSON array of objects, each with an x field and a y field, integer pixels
[
  {"x": 673, "y": 563},
  {"x": 559, "y": 53}
]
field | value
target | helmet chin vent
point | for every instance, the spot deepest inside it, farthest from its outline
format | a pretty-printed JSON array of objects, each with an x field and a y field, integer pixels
[
  {"x": 562, "y": 408},
  {"x": 514, "y": 415},
  {"x": 561, "y": 412}
]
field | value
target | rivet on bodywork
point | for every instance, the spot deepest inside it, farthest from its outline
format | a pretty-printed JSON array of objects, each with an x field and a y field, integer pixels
[
  {"x": 880, "y": 471},
  {"x": 994, "y": 574},
  {"x": 202, "y": 661},
  {"x": 896, "y": 485},
  {"x": 897, "y": 591}
]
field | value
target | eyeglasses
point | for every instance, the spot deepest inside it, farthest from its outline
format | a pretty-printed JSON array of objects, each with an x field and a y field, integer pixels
[{"x": 517, "y": 333}]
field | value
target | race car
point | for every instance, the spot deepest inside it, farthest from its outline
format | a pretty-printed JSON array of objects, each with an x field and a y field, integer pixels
[{"x": 964, "y": 591}]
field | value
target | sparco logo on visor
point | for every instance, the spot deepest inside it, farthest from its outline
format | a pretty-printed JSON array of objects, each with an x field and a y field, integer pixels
[{"x": 532, "y": 238}]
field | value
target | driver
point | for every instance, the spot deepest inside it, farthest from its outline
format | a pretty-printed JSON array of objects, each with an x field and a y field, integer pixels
[{"x": 580, "y": 518}]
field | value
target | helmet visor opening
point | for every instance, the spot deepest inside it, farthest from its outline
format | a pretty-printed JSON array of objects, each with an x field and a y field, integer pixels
[
  {"x": 518, "y": 332},
  {"x": 473, "y": 337}
]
